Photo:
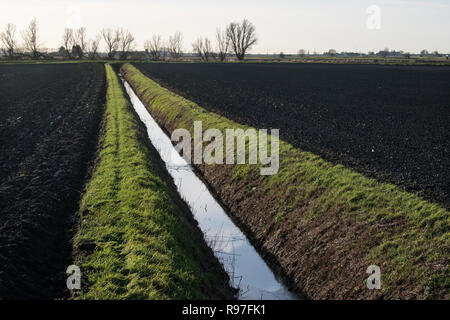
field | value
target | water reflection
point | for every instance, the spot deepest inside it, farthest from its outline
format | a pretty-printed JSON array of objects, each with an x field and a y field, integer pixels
[{"x": 247, "y": 270}]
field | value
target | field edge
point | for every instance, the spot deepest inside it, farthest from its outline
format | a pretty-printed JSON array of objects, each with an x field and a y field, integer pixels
[
  {"x": 320, "y": 224},
  {"x": 136, "y": 238}
]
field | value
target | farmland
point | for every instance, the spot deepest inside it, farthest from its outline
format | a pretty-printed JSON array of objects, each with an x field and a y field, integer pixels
[
  {"x": 362, "y": 180},
  {"x": 68, "y": 192},
  {"x": 48, "y": 132},
  {"x": 224, "y": 159},
  {"x": 136, "y": 236},
  {"x": 387, "y": 122},
  {"x": 318, "y": 223}
]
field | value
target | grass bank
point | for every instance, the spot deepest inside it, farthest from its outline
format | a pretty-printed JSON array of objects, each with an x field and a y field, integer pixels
[
  {"x": 136, "y": 238},
  {"x": 321, "y": 224}
]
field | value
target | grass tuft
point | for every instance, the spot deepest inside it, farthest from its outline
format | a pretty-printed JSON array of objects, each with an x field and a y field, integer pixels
[{"x": 134, "y": 240}]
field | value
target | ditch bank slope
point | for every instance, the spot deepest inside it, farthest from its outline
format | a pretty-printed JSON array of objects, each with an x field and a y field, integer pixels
[
  {"x": 389, "y": 123},
  {"x": 321, "y": 225},
  {"x": 137, "y": 238}
]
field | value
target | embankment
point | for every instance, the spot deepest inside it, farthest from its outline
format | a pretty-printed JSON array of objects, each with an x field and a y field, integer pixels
[
  {"x": 136, "y": 238},
  {"x": 321, "y": 225}
]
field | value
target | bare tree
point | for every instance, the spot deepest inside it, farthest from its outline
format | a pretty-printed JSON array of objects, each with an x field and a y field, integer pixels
[
  {"x": 208, "y": 51},
  {"x": 126, "y": 43},
  {"x": 176, "y": 45},
  {"x": 202, "y": 47},
  {"x": 31, "y": 38},
  {"x": 301, "y": 52},
  {"x": 242, "y": 37},
  {"x": 384, "y": 53},
  {"x": 223, "y": 44},
  {"x": 93, "y": 46},
  {"x": 331, "y": 52},
  {"x": 112, "y": 39},
  {"x": 424, "y": 53},
  {"x": 68, "y": 41},
  {"x": 197, "y": 46},
  {"x": 436, "y": 53},
  {"x": 80, "y": 42},
  {"x": 154, "y": 47},
  {"x": 8, "y": 39}
]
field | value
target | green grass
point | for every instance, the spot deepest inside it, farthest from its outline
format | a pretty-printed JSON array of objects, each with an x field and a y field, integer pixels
[
  {"x": 134, "y": 241},
  {"x": 417, "y": 253}
]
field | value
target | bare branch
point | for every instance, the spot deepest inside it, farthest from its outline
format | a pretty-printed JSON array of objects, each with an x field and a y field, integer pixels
[
  {"x": 8, "y": 39},
  {"x": 31, "y": 38},
  {"x": 68, "y": 42},
  {"x": 242, "y": 37},
  {"x": 126, "y": 43},
  {"x": 93, "y": 46},
  {"x": 80, "y": 42},
  {"x": 112, "y": 40},
  {"x": 203, "y": 49},
  {"x": 197, "y": 46},
  {"x": 176, "y": 45},
  {"x": 223, "y": 44},
  {"x": 154, "y": 47}
]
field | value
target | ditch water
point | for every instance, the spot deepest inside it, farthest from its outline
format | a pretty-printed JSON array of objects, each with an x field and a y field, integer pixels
[{"x": 247, "y": 270}]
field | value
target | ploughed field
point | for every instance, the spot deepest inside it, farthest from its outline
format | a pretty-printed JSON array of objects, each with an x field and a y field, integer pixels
[
  {"x": 388, "y": 122},
  {"x": 49, "y": 123}
]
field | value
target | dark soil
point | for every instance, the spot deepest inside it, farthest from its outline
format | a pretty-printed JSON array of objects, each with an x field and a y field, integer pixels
[
  {"x": 388, "y": 122},
  {"x": 48, "y": 135},
  {"x": 325, "y": 257}
]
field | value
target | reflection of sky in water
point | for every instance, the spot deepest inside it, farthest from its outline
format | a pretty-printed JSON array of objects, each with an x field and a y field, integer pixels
[{"x": 247, "y": 270}]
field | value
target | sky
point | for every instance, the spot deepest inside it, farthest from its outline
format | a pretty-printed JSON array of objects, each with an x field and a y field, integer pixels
[{"x": 282, "y": 25}]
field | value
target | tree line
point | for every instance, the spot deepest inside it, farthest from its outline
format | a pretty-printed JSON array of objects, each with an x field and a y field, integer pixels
[
  {"x": 236, "y": 39},
  {"x": 31, "y": 42}
]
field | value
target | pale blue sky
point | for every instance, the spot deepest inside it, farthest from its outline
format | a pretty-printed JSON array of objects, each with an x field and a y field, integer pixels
[{"x": 282, "y": 25}]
